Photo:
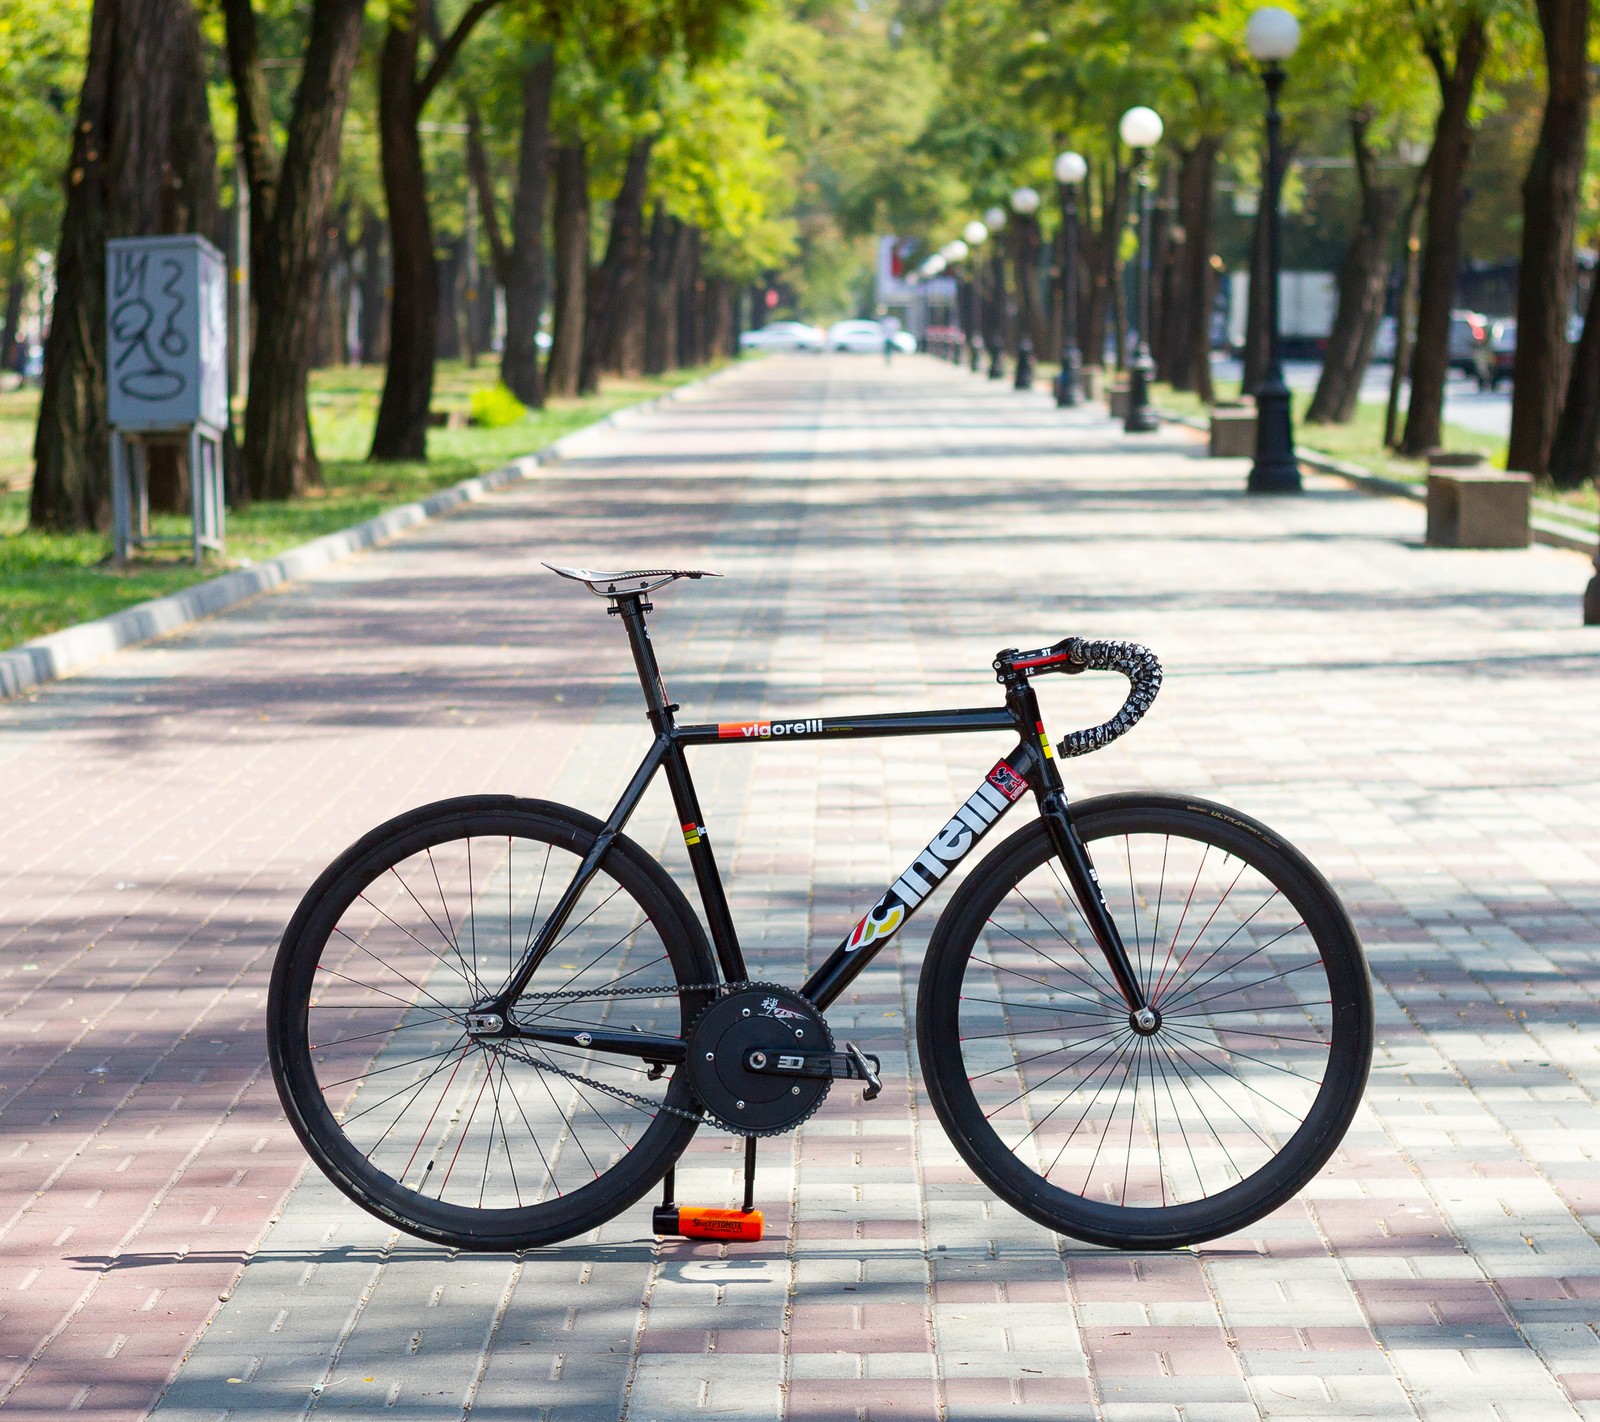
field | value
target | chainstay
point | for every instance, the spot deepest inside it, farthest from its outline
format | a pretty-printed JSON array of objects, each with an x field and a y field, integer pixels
[{"x": 632, "y": 1098}]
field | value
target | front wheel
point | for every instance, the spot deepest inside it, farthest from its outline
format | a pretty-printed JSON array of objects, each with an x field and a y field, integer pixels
[{"x": 1117, "y": 1132}]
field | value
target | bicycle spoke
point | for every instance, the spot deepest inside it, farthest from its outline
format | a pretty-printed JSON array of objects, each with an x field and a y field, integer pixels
[
  {"x": 1145, "y": 1121},
  {"x": 447, "y": 1119}
]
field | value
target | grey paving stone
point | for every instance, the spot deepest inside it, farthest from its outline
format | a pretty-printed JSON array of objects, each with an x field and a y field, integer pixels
[{"x": 1420, "y": 721}]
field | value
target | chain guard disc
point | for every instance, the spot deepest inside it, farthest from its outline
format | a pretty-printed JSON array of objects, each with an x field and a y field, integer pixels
[{"x": 774, "y": 1019}]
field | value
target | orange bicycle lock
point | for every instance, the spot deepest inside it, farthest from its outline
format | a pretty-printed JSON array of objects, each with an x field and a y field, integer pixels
[{"x": 703, "y": 1222}]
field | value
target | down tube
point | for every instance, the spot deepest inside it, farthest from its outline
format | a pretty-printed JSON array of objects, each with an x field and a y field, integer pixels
[{"x": 1000, "y": 789}]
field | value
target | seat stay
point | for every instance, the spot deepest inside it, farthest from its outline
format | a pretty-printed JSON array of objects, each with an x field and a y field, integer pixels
[{"x": 589, "y": 866}]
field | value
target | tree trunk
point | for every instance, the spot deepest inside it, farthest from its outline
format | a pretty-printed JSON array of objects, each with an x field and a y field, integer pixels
[
  {"x": 691, "y": 298},
  {"x": 1405, "y": 307},
  {"x": 1363, "y": 281},
  {"x": 403, "y": 93},
  {"x": 661, "y": 319},
  {"x": 402, "y": 428},
  {"x": 721, "y": 300},
  {"x": 289, "y": 204},
  {"x": 1197, "y": 278},
  {"x": 16, "y": 284},
  {"x": 1025, "y": 238},
  {"x": 522, "y": 273},
  {"x": 375, "y": 284},
  {"x": 633, "y": 314},
  {"x": 1441, "y": 248},
  {"x": 1107, "y": 299},
  {"x": 612, "y": 286},
  {"x": 1549, "y": 220},
  {"x": 1575, "y": 447},
  {"x": 143, "y": 162},
  {"x": 571, "y": 267}
]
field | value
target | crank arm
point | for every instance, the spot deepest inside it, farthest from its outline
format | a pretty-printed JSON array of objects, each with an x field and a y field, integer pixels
[{"x": 852, "y": 1064}]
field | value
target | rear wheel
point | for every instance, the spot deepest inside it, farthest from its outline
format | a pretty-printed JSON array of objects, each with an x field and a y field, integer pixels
[
  {"x": 1140, "y": 1135},
  {"x": 475, "y": 1142}
]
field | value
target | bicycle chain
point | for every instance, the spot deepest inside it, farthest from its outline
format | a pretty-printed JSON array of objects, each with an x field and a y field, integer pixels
[{"x": 630, "y": 1097}]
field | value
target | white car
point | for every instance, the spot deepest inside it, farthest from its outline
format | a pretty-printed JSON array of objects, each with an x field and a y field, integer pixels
[
  {"x": 783, "y": 336},
  {"x": 867, "y": 336}
]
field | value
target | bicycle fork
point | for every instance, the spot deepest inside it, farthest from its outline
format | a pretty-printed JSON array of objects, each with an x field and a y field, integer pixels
[{"x": 1081, "y": 877}]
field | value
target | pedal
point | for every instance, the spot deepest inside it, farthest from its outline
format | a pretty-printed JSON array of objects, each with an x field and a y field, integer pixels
[
  {"x": 863, "y": 1072},
  {"x": 700, "y": 1222}
]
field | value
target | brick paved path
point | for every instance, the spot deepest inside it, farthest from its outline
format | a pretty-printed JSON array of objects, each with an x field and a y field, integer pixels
[{"x": 1423, "y": 723}]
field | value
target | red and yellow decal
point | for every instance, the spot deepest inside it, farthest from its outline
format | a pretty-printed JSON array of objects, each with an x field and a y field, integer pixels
[
  {"x": 1044, "y": 741},
  {"x": 693, "y": 833}
]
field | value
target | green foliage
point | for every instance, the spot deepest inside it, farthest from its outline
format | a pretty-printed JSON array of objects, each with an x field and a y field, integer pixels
[
  {"x": 721, "y": 165},
  {"x": 42, "y": 45},
  {"x": 495, "y": 406}
]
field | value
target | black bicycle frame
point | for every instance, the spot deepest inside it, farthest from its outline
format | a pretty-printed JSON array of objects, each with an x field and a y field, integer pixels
[{"x": 1030, "y": 766}]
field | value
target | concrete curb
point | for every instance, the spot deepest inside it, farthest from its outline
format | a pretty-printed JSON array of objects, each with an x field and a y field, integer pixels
[
  {"x": 1551, "y": 531},
  {"x": 70, "y": 650}
]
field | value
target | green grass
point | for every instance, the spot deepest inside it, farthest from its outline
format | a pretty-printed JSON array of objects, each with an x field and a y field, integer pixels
[
  {"x": 49, "y": 581},
  {"x": 1361, "y": 442}
]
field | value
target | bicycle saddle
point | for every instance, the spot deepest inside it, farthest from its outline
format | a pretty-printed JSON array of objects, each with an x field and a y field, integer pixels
[{"x": 614, "y": 584}]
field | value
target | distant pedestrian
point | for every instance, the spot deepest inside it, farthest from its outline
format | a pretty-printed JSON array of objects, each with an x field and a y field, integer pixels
[{"x": 888, "y": 347}]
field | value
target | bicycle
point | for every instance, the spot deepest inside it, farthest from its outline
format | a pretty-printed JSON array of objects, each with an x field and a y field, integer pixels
[{"x": 1146, "y": 1054}]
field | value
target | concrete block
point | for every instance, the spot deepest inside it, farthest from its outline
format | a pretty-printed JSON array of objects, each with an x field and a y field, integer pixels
[
  {"x": 1478, "y": 508},
  {"x": 1233, "y": 433}
]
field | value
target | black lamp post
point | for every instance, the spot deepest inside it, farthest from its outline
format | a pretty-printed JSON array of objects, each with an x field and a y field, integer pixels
[
  {"x": 1271, "y": 36},
  {"x": 930, "y": 271},
  {"x": 1070, "y": 170},
  {"x": 995, "y": 338},
  {"x": 1025, "y": 202},
  {"x": 976, "y": 235},
  {"x": 955, "y": 253},
  {"x": 1141, "y": 130}
]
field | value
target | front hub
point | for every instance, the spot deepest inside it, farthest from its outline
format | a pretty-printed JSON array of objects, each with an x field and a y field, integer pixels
[{"x": 1146, "y": 1021}]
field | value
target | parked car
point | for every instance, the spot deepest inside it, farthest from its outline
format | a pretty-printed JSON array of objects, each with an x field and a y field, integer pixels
[
  {"x": 1499, "y": 355},
  {"x": 860, "y": 336},
  {"x": 783, "y": 336},
  {"x": 1469, "y": 342}
]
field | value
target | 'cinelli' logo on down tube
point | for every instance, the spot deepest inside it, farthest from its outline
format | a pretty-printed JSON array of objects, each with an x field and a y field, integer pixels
[
  {"x": 765, "y": 730},
  {"x": 1001, "y": 787}
]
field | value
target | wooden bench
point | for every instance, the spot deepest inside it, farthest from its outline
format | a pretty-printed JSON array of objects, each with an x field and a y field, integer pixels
[{"x": 1474, "y": 506}]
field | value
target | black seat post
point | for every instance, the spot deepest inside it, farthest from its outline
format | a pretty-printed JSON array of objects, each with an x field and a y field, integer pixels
[{"x": 632, "y": 610}]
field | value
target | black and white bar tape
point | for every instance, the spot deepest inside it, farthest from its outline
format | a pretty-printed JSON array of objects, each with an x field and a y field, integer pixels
[{"x": 1143, "y": 671}]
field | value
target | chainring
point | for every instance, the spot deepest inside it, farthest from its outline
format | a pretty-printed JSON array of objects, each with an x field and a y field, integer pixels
[{"x": 774, "y": 1019}]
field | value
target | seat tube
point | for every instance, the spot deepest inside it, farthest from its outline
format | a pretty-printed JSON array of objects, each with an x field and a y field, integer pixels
[
  {"x": 714, "y": 899},
  {"x": 707, "y": 880},
  {"x": 1074, "y": 854},
  {"x": 632, "y": 611}
]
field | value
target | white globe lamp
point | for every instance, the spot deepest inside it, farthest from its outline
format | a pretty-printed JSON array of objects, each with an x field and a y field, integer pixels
[
  {"x": 1272, "y": 35},
  {"x": 1141, "y": 127},
  {"x": 1071, "y": 169},
  {"x": 975, "y": 233}
]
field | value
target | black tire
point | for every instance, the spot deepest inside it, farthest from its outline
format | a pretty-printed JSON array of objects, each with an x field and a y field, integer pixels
[
  {"x": 393, "y": 945},
  {"x": 1250, "y": 1080}
]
